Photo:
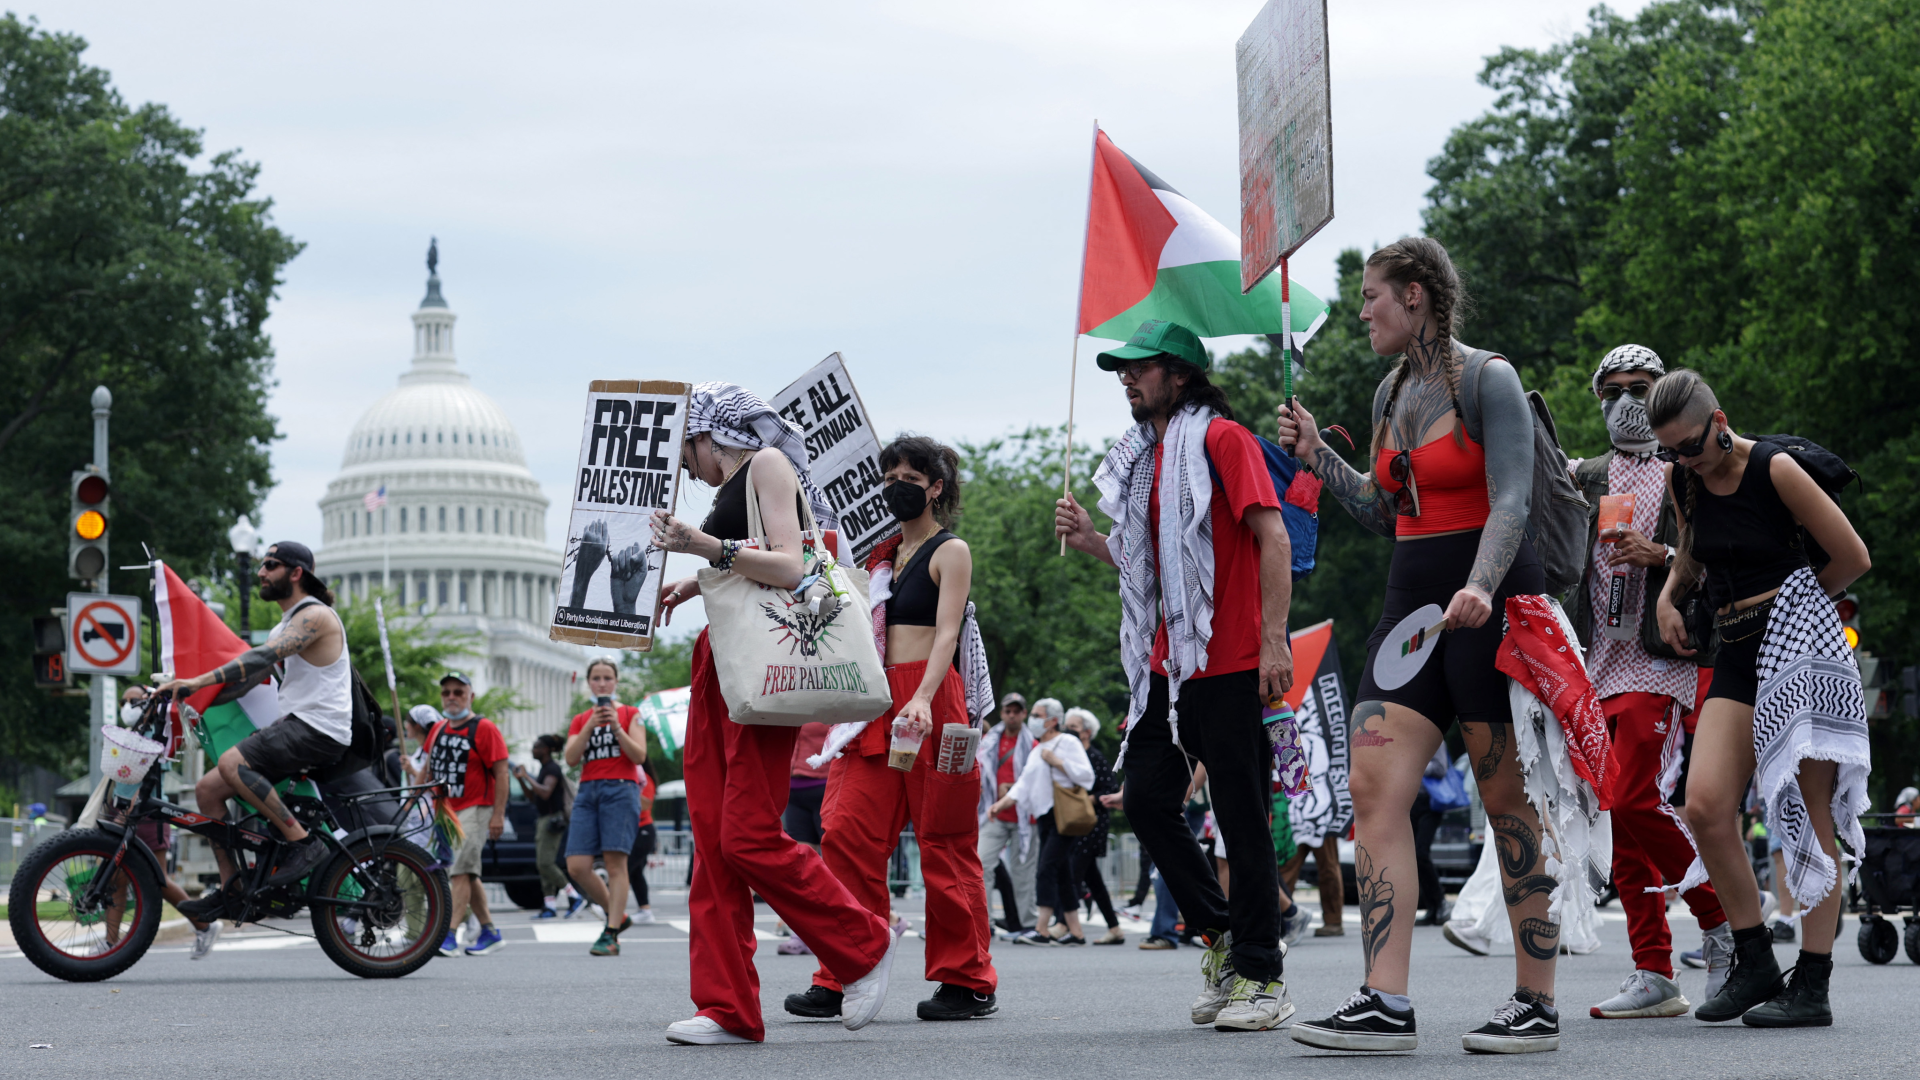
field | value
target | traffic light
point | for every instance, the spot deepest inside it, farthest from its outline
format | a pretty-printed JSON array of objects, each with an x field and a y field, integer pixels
[
  {"x": 1848, "y": 608},
  {"x": 87, "y": 526},
  {"x": 50, "y": 654}
]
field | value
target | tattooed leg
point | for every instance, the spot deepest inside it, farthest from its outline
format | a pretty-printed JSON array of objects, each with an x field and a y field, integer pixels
[
  {"x": 1391, "y": 746},
  {"x": 1522, "y": 847},
  {"x": 1376, "y": 907},
  {"x": 1490, "y": 761}
]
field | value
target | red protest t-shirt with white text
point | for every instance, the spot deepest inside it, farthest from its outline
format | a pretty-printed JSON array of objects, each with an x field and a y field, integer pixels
[
  {"x": 1005, "y": 776},
  {"x": 604, "y": 758},
  {"x": 1242, "y": 481},
  {"x": 462, "y": 756}
]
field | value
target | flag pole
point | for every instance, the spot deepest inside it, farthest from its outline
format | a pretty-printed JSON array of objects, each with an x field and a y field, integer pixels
[
  {"x": 1073, "y": 378},
  {"x": 393, "y": 687}
]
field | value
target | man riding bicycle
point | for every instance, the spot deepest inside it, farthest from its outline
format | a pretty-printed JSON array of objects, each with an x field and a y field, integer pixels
[{"x": 316, "y": 690}]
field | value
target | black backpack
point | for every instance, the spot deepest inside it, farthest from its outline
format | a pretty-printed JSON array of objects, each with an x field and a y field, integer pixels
[
  {"x": 371, "y": 739},
  {"x": 1828, "y": 469}
]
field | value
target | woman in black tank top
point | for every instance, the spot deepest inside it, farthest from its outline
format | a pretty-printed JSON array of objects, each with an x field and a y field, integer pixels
[{"x": 1742, "y": 506}]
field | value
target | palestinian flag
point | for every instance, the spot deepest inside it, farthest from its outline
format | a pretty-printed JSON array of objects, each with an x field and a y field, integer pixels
[
  {"x": 665, "y": 713},
  {"x": 1151, "y": 254},
  {"x": 1319, "y": 703},
  {"x": 194, "y": 641}
]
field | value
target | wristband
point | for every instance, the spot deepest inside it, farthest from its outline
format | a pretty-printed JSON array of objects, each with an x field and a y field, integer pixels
[{"x": 728, "y": 549}]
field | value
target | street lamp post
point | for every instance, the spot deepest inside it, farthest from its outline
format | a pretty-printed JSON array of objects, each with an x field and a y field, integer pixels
[{"x": 243, "y": 536}]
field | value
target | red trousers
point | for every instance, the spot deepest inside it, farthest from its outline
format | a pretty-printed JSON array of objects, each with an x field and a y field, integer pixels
[
  {"x": 1650, "y": 846},
  {"x": 867, "y": 804},
  {"x": 736, "y": 791}
]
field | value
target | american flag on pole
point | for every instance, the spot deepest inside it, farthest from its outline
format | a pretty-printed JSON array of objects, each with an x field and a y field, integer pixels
[{"x": 376, "y": 499}]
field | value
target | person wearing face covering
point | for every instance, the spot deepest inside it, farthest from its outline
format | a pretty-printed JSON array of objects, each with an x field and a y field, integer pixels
[
  {"x": 1643, "y": 696},
  {"x": 867, "y": 801},
  {"x": 737, "y": 774}
]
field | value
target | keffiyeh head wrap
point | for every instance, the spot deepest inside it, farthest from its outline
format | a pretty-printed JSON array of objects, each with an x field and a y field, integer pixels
[
  {"x": 1628, "y": 358},
  {"x": 740, "y": 418}
]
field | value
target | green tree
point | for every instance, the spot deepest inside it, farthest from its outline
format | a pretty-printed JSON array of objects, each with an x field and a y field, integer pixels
[{"x": 125, "y": 261}]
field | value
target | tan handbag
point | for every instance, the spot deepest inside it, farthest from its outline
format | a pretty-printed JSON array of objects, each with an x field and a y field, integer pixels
[
  {"x": 778, "y": 663},
  {"x": 1073, "y": 813}
]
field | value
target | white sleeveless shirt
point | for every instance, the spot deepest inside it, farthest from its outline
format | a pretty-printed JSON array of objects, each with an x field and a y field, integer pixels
[{"x": 322, "y": 697}]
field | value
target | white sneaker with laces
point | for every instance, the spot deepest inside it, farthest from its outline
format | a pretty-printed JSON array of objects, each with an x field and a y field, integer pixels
[
  {"x": 1645, "y": 993},
  {"x": 701, "y": 1031},
  {"x": 203, "y": 940},
  {"x": 861, "y": 999},
  {"x": 1216, "y": 980},
  {"x": 1254, "y": 1006},
  {"x": 1716, "y": 952},
  {"x": 644, "y": 915}
]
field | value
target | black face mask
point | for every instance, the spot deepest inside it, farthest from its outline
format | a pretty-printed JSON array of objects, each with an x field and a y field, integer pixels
[{"x": 907, "y": 501}]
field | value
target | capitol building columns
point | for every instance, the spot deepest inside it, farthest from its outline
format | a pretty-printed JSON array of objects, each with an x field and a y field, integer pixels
[{"x": 460, "y": 537}]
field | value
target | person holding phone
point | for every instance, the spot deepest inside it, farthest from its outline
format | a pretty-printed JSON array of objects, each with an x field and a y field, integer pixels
[{"x": 607, "y": 747}]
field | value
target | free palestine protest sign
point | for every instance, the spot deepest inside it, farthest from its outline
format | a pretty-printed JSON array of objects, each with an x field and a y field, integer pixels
[
  {"x": 1286, "y": 134},
  {"x": 629, "y": 467},
  {"x": 843, "y": 452}
]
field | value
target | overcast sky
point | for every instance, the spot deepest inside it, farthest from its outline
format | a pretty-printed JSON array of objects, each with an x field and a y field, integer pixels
[{"x": 732, "y": 191}]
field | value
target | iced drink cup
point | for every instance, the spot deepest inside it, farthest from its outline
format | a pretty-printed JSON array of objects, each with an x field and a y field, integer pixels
[{"x": 905, "y": 748}]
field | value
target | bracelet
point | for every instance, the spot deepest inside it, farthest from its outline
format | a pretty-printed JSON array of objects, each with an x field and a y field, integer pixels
[{"x": 728, "y": 549}]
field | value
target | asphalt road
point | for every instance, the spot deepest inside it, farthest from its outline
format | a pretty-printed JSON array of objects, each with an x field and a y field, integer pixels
[{"x": 265, "y": 1005}]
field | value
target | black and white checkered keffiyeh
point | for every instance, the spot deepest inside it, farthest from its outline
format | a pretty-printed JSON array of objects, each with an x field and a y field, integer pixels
[
  {"x": 1628, "y": 358},
  {"x": 1809, "y": 707},
  {"x": 740, "y": 418},
  {"x": 1126, "y": 480}
]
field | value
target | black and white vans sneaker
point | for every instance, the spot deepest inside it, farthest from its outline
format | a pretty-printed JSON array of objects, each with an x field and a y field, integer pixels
[
  {"x": 1363, "y": 1023},
  {"x": 1518, "y": 1027}
]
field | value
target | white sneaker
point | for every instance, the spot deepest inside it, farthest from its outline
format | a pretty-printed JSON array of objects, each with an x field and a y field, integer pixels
[
  {"x": 1645, "y": 993},
  {"x": 701, "y": 1031},
  {"x": 1716, "y": 952},
  {"x": 644, "y": 915},
  {"x": 1464, "y": 937},
  {"x": 1253, "y": 1006},
  {"x": 1216, "y": 980},
  {"x": 203, "y": 940},
  {"x": 1769, "y": 907},
  {"x": 861, "y": 999}
]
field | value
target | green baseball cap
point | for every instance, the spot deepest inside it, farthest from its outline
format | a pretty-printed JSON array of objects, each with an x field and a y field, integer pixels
[{"x": 1158, "y": 339}]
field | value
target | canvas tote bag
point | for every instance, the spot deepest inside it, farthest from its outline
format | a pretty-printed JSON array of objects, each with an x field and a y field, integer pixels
[{"x": 779, "y": 663}]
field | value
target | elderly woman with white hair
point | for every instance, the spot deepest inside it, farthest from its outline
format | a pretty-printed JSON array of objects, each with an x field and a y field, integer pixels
[
  {"x": 737, "y": 774},
  {"x": 1055, "y": 760},
  {"x": 1088, "y": 849}
]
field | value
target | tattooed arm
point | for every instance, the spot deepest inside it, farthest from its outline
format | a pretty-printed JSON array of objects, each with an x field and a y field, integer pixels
[
  {"x": 308, "y": 627},
  {"x": 776, "y": 486},
  {"x": 1351, "y": 488},
  {"x": 1506, "y": 430}
]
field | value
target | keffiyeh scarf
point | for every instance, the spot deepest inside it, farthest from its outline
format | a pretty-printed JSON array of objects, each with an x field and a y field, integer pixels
[
  {"x": 1809, "y": 707},
  {"x": 740, "y": 418},
  {"x": 1183, "y": 595}
]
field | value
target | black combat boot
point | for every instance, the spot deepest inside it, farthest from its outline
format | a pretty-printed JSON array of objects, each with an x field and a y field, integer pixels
[
  {"x": 1755, "y": 977},
  {"x": 1804, "y": 1002}
]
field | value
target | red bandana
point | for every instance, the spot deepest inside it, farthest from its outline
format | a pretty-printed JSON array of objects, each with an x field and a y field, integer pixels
[{"x": 1537, "y": 655}]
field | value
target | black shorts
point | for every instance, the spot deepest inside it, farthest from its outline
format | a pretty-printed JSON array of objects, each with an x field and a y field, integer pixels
[
  {"x": 1460, "y": 682},
  {"x": 1736, "y": 667},
  {"x": 802, "y": 818},
  {"x": 288, "y": 747}
]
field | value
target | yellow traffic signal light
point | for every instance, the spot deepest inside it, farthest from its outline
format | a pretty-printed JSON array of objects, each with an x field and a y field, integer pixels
[
  {"x": 87, "y": 543},
  {"x": 90, "y": 525}
]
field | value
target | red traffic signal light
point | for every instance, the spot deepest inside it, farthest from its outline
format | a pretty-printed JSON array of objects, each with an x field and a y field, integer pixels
[{"x": 91, "y": 489}]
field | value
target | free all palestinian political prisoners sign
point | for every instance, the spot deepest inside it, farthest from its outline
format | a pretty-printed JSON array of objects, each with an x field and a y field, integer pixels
[
  {"x": 1286, "y": 134},
  {"x": 843, "y": 452},
  {"x": 629, "y": 467}
]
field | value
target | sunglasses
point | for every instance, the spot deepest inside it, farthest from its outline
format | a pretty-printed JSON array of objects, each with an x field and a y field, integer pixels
[
  {"x": 1686, "y": 450},
  {"x": 455, "y": 691},
  {"x": 271, "y": 564},
  {"x": 1637, "y": 391},
  {"x": 1407, "y": 499},
  {"x": 1134, "y": 369}
]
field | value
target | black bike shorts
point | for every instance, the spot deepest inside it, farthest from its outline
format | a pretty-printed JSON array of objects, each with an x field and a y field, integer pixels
[
  {"x": 288, "y": 747},
  {"x": 1459, "y": 681}
]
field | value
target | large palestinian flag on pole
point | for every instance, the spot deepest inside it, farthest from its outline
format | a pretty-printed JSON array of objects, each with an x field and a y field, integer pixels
[
  {"x": 194, "y": 641},
  {"x": 1151, "y": 254}
]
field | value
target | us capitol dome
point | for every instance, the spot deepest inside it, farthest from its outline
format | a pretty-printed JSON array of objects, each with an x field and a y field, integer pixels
[{"x": 462, "y": 534}]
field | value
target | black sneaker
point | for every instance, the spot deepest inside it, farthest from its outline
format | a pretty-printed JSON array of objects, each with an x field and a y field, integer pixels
[
  {"x": 818, "y": 1003},
  {"x": 952, "y": 1002},
  {"x": 1518, "y": 1027},
  {"x": 1783, "y": 931},
  {"x": 210, "y": 906},
  {"x": 298, "y": 862},
  {"x": 1363, "y": 1023}
]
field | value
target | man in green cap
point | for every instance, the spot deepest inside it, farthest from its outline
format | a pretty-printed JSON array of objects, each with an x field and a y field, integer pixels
[{"x": 1204, "y": 645}]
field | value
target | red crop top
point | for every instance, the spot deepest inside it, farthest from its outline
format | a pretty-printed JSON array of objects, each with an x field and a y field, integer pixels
[{"x": 1452, "y": 482}]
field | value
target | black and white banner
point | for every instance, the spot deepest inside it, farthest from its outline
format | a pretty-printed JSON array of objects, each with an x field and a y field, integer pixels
[
  {"x": 843, "y": 452},
  {"x": 629, "y": 467}
]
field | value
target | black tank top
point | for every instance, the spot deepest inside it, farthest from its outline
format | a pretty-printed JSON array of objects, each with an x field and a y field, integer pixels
[
  {"x": 1748, "y": 541},
  {"x": 728, "y": 518},
  {"x": 916, "y": 599}
]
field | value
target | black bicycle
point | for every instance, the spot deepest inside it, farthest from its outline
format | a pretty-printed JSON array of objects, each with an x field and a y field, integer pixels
[{"x": 85, "y": 903}]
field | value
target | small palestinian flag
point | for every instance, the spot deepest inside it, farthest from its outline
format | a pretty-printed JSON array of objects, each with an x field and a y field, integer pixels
[
  {"x": 1151, "y": 254},
  {"x": 193, "y": 641}
]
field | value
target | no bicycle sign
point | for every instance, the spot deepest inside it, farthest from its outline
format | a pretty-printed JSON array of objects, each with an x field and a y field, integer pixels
[{"x": 103, "y": 634}]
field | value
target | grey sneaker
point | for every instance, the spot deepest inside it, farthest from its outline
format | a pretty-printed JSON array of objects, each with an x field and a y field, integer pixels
[
  {"x": 1293, "y": 927},
  {"x": 1254, "y": 1006},
  {"x": 1716, "y": 951},
  {"x": 203, "y": 940},
  {"x": 1216, "y": 979},
  {"x": 1645, "y": 993}
]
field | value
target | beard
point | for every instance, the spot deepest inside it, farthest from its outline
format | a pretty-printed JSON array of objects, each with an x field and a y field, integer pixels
[
  {"x": 276, "y": 590},
  {"x": 1142, "y": 412}
]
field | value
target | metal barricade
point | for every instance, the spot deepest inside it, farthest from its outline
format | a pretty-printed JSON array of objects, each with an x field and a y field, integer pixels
[{"x": 19, "y": 836}]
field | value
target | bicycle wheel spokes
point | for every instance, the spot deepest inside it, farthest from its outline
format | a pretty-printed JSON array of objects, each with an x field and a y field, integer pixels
[
  {"x": 73, "y": 920},
  {"x": 400, "y": 917}
]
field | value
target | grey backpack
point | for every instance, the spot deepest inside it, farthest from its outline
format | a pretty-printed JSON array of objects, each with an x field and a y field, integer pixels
[{"x": 1557, "y": 511}]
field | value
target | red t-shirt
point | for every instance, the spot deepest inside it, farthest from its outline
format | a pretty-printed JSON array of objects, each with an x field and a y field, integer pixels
[
  {"x": 1005, "y": 775},
  {"x": 811, "y": 739},
  {"x": 1243, "y": 482},
  {"x": 604, "y": 759},
  {"x": 646, "y": 800},
  {"x": 461, "y": 756}
]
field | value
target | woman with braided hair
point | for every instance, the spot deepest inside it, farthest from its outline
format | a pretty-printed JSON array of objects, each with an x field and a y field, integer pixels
[
  {"x": 1785, "y": 705},
  {"x": 1455, "y": 501}
]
